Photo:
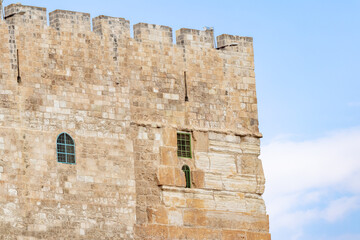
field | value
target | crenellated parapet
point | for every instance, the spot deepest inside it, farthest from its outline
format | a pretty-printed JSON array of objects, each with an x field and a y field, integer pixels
[
  {"x": 119, "y": 28},
  {"x": 112, "y": 26},
  {"x": 63, "y": 20},
  {"x": 195, "y": 38},
  {"x": 231, "y": 42},
  {"x": 20, "y": 14},
  {"x": 153, "y": 32}
]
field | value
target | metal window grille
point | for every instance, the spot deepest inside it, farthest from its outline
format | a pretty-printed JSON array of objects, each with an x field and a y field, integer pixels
[
  {"x": 186, "y": 170},
  {"x": 65, "y": 148},
  {"x": 184, "y": 145}
]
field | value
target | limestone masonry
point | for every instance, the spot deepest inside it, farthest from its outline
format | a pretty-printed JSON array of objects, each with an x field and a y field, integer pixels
[{"x": 129, "y": 109}]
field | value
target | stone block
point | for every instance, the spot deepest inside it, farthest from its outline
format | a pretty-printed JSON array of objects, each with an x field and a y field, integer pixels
[
  {"x": 180, "y": 180},
  {"x": 174, "y": 199},
  {"x": 213, "y": 181},
  {"x": 166, "y": 176},
  {"x": 169, "y": 137},
  {"x": 158, "y": 215},
  {"x": 240, "y": 183},
  {"x": 250, "y": 164},
  {"x": 193, "y": 217},
  {"x": 195, "y": 203},
  {"x": 233, "y": 234},
  {"x": 250, "y": 145},
  {"x": 221, "y": 137},
  {"x": 175, "y": 217},
  {"x": 222, "y": 163},
  {"x": 258, "y": 236},
  {"x": 201, "y": 141},
  {"x": 229, "y": 202},
  {"x": 198, "y": 179},
  {"x": 202, "y": 161},
  {"x": 169, "y": 156},
  {"x": 223, "y": 146}
]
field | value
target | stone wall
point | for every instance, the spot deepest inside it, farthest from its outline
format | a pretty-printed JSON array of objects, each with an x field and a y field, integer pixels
[
  {"x": 123, "y": 102},
  {"x": 1, "y": 10}
]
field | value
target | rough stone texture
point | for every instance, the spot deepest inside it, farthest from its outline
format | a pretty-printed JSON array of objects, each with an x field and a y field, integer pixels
[
  {"x": 123, "y": 102},
  {"x": 152, "y": 32},
  {"x": 1, "y": 10}
]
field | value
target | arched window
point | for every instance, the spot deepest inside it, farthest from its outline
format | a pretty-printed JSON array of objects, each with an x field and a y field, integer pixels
[
  {"x": 186, "y": 170},
  {"x": 65, "y": 148}
]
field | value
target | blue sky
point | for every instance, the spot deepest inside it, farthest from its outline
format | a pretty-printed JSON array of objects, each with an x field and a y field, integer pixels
[{"x": 307, "y": 71}]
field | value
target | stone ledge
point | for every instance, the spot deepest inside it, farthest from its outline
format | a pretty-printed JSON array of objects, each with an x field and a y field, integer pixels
[
  {"x": 207, "y": 191},
  {"x": 241, "y": 133}
]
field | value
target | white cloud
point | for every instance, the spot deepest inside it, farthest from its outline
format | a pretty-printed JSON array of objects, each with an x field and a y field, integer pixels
[
  {"x": 340, "y": 207},
  {"x": 316, "y": 180}
]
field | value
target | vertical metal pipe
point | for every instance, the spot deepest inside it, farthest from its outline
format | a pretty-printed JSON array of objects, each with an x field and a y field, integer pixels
[
  {"x": 18, "y": 66},
  {"x": 186, "y": 93}
]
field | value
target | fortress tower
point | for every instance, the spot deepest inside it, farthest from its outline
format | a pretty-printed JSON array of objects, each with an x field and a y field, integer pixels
[{"x": 104, "y": 136}]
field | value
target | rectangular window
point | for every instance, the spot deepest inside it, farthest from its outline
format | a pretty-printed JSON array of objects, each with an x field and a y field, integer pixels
[{"x": 184, "y": 145}]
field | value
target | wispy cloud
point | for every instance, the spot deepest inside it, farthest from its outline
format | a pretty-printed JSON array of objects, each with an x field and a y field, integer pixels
[
  {"x": 338, "y": 208},
  {"x": 309, "y": 181}
]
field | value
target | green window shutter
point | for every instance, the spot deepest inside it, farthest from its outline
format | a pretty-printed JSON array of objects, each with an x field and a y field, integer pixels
[
  {"x": 187, "y": 173},
  {"x": 184, "y": 145}
]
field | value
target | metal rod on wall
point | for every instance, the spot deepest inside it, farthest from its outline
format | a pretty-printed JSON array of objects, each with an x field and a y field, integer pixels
[
  {"x": 18, "y": 66},
  {"x": 186, "y": 94}
]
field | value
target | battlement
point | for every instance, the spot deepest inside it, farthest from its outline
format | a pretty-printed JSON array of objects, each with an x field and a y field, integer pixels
[
  {"x": 63, "y": 20},
  {"x": 21, "y": 14},
  {"x": 195, "y": 38},
  {"x": 105, "y": 25},
  {"x": 78, "y": 22},
  {"x": 153, "y": 32},
  {"x": 234, "y": 43}
]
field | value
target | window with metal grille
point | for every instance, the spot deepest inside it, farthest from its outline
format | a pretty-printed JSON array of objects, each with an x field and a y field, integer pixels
[
  {"x": 65, "y": 148},
  {"x": 186, "y": 170},
  {"x": 184, "y": 145}
]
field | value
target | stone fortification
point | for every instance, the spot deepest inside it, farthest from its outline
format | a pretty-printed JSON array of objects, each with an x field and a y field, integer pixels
[{"x": 124, "y": 101}]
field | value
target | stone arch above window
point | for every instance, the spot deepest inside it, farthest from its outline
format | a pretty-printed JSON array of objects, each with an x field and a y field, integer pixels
[
  {"x": 65, "y": 148},
  {"x": 187, "y": 173}
]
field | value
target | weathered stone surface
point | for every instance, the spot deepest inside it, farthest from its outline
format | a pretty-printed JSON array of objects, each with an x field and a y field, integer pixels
[
  {"x": 201, "y": 141},
  {"x": 123, "y": 101}
]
